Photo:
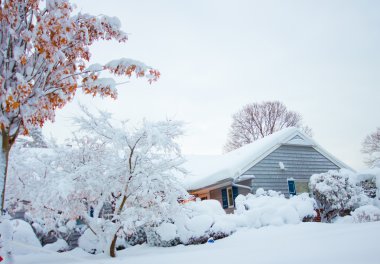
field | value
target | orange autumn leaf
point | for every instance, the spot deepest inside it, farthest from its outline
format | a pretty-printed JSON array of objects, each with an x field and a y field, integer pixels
[
  {"x": 23, "y": 60},
  {"x": 15, "y": 105}
]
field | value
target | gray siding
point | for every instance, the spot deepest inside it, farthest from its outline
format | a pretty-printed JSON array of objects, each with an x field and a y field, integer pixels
[
  {"x": 216, "y": 194},
  {"x": 300, "y": 163}
]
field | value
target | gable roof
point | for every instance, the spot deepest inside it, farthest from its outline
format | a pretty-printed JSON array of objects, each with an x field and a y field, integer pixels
[{"x": 209, "y": 170}]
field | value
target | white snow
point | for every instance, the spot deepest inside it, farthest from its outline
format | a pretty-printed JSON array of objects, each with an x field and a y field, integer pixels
[
  {"x": 203, "y": 219},
  {"x": 311, "y": 243},
  {"x": 89, "y": 242},
  {"x": 59, "y": 245},
  {"x": 198, "y": 225},
  {"x": 167, "y": 231},
  {"x": 272, "y": 208},
  {"x": 23, "y": 233}
]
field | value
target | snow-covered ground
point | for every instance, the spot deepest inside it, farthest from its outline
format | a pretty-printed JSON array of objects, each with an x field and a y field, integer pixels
[{"x": 303, "y": 243}]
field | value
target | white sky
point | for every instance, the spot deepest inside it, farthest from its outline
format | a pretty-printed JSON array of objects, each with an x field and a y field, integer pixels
[{"x": 321, "y": 58}]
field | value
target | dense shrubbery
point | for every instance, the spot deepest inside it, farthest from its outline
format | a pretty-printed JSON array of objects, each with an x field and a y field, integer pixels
[
  {"x": 272, "y": 208},
  {"x": 335, "y": 193},
  {"x": 342, "y": 193}
]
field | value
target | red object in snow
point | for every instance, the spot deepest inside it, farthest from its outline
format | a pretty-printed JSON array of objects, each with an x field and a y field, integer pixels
[{"x": 1, "y": 259}]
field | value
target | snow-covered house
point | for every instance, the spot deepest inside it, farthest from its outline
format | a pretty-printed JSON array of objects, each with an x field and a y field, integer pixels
[{"x": 283, "y": 161}]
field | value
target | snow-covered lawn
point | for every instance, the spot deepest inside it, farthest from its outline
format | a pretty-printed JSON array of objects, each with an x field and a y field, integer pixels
[{"x": 303, "y": 243}]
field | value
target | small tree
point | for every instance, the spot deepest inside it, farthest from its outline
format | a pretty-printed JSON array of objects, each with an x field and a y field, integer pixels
[
  {"x": 257, "y": 120},
  {"x": 334, "y": 192},
  {"x": 107, "y": 163},
  {"x": 371, "y": 147},
  {"x": 44, "y": 52}
]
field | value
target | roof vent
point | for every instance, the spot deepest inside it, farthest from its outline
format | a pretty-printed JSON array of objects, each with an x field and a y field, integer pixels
[{"x": 282, "y": 166}]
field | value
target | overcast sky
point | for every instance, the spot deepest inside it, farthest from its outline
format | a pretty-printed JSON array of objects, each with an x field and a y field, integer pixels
[{"x": 321, "y": 58}]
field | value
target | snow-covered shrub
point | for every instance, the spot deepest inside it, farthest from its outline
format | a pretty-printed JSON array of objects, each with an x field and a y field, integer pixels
[
  {"x": 73, "y": 181},
  {"x": 369, "y": 180},
  {"x": 203, "y": 220},
  {"x": 272, "y": 208},
  {"x": 165, "y": 235},
  {"x": 335, "y": 192},
  {"x": 136, "y": 236},
  {"x": 366, "y": 213},
  {"x": 196, "y": 223}
]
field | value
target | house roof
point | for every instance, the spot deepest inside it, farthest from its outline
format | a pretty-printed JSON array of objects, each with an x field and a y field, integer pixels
[{"x": 205, "y": 171}]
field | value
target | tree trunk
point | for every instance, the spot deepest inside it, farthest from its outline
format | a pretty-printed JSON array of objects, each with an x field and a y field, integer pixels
[
  {"x": 113, "y": 243},
  {"x": 6, "y": 145},
  {"x": 113, "y": 247}
]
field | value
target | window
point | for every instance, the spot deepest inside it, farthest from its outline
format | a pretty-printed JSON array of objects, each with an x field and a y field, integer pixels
[
  {"x": 299, "y": 186},
  {"x": 302, "y": 187},
  {"x": 230, "y": 197},
  {"x": 203, "y": 196}
]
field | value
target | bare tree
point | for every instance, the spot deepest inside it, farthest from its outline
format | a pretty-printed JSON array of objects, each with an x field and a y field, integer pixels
[
  {"x": 257, "y": 120},
  {"x": 371, "y": 147}
]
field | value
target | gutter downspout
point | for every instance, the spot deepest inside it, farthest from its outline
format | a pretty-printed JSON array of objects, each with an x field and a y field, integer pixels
[
  {"x": 241, "y": 178},
  {"x": 242, "y": 186}
]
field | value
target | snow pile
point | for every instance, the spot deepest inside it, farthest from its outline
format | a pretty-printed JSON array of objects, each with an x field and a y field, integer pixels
[
  {"x": 24, "y": 234},
  {"x": 59, "y": 246},
  {"x": 167, "y": 231},
  {"x": 89, "y": 242},
  {"x": 272, "y": 208}
]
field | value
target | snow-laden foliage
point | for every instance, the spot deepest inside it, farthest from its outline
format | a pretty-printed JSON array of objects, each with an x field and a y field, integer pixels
[
  {"x": 203, "y": 220},
  {"x": 335, "y": 192},
  {"x": 112, "y": 176},
  {"x": 198, "y": 222},
  {"x": 369, "y": 180},
  {"x": 272, "y": 208},
  {"x": 44, "y": 57},
  {"x": 366, "y": 213}
]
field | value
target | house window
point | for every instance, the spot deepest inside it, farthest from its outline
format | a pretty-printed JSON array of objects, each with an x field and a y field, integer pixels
[
  {"x": 230, "y": 197},
  {"x": 297, "y": 186},
  {"x": 203, "y": 196},
  {"x": 302, "y": 187}
]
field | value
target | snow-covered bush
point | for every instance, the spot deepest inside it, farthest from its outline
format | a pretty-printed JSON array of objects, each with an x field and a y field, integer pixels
[
  {"x": 196, "y": 223},
  {"x": 335, "y": 193},
  {"x": 366, "y": 213},
  {"x": 369, "y": 180},
  {"x": 272, "y": 208}
]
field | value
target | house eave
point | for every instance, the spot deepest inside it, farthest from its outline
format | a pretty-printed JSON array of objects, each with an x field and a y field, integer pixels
[{"x": 217, "y": 185}]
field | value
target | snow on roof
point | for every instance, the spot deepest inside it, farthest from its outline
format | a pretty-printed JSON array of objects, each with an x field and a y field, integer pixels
[{"x": 208, "y": 170}]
